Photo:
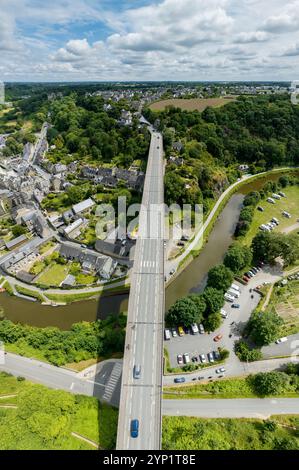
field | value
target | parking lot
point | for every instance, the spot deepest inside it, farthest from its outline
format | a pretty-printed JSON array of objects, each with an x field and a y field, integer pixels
[{"x": 230, "y": 328}]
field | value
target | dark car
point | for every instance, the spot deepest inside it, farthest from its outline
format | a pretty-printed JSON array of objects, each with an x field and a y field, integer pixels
[
  {"x": 179, "y": 380},
  {"x": 261, "y": 209},
  {"x": 235, "y": 305},
  {"x": 216, "y": 355},
  {"x": 134, "y": 428}
]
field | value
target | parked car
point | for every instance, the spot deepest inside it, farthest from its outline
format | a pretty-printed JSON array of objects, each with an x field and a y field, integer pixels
[
  {"x": 194, "y": 359},
  {"x": 167, "y": 334},
  {"x": 179, "y": 380},
  {"x": 201, "y": 329},
  {"x": 281, "y": 340},
  {"x": 186, "y": 358},
  {"x": 194, "y": 328},
  {"x": 216, "y": 355},
  {"x": 261, "y": 209},
  {"x": 223, "y": 313},
  {"x": 220, "y": 370},
  {"x": 235, "y": 305},
  {"x": 180, "y": 359},
  {"x": 172, "y": 272},
  {"x": 181, "y": 331},
  {"x": 202, "y": 358},
  {"x": 211, "y": 357},
  {"x": 218, "y": 338},
  {"x": 174, "y": 332}
]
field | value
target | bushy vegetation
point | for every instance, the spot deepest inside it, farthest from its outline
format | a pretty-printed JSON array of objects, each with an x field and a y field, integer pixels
[
  {"x": 246, "y": 354},
  {"x": 45, "y": 419},
  {"x": 186, "y": 433},
  {"x": 270, "y": 245},
  {"x": 83, "y": 341},
  {"x": 264, "y": 327}
]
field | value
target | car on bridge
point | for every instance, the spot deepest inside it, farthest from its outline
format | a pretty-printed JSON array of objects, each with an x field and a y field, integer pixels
[
  {"x": 137, "y": 371},
  {"x": 134, "y": 428}
]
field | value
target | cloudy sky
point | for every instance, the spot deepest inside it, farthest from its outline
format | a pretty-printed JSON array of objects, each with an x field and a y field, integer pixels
[{"x": 149, "y": 40}]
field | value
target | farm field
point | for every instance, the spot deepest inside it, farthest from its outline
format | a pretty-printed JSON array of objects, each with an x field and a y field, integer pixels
[
  {"x": 288, "y": 203},
  {"x": 196, "y": 104},
  {"x": 285, "y": 301},
  {"x": 44, "y": 419},
  {"x": 185, "y": 433}
]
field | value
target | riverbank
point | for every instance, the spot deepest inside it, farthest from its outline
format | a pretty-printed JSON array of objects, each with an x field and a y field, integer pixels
[{"x": 197, "y": 243}]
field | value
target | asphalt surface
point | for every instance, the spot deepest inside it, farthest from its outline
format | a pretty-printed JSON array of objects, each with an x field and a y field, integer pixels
[
  {"x": 105, "y": 384},
  {"x": 227, "y": 408},
  {"x": 141, "y": 398}
]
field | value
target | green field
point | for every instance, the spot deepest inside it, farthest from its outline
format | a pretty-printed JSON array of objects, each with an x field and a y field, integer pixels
[
  {"x": 30, "y": 293},
  {"x": 186, "y": 433},
  {"x": 289, "y": 204},
  {"x": 54, "y": 275},
  {"x": 69, "y": 298},
  {"x": 45, "y": 419}
]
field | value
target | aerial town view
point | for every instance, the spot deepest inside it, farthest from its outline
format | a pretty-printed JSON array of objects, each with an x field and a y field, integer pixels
[{"x": 149, "y": 227}]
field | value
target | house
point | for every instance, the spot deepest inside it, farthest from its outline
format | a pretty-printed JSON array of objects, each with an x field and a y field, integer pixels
[
  {"x": 68, "y": 216},
  {"x": 178, "y": 146},
  {"x": 83, "y": 206},
  {"x": 243, "y": 167},
  {"x": 108, "y": 268},
  {"x": 15, "y": 242},
  {"x": 70, "y": 229},
  {"x": 69, "y": 281}
]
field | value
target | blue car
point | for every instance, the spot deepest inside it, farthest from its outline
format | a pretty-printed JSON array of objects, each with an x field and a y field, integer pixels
[
  {"x": 179, "y": 380},
  {"x": 134, "y": 428}
]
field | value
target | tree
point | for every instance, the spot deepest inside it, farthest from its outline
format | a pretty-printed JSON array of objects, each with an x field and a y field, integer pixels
[
  {"x": 183, "y": 312},
  {"x": 18, "y": 230},
  {"x": 212, "y": 322},
  {"x": 246, "y": 354},
  {"x": 238, "y": 257},
  {"x": 271, "y": 383},
  {"x": 264, "y": 327},
  {"x": 200, "y": 305},
  {"x": 220, "y": 277},
  {"x": 214, "y": 300}
]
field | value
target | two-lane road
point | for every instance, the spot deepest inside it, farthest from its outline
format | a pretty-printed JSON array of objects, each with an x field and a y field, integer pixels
[{"x": 141, "y": 398}]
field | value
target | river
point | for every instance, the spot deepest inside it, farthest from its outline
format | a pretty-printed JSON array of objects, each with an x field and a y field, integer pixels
[{"x": 192, "y": 279}]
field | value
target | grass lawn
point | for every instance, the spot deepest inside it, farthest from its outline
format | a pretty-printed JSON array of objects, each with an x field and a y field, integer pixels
[
  {"x": 289, "y": 204},
  {"x": 44, "y": 419},
  {"x": 285, "y": 301},
  {"x": 29, "y": 292},
  {"x": 187, "y": 433},
  {"x": 69, "y": 298},
  {"x": 85, "y": 279},
  {"x": 54, "y": 275},
  {"x": 194, "y": 104},
  {"x": 228, "y": 388}
]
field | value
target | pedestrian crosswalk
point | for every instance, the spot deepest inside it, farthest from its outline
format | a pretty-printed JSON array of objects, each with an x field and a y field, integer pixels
[
  {"x": 148, "y": 264},
  {"x": 112, "y": 382}
]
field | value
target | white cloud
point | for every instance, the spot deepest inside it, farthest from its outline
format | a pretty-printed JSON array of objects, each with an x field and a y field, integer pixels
[
  {"x": 286, "y": 20},
  {"x": 168, "y": 39}
]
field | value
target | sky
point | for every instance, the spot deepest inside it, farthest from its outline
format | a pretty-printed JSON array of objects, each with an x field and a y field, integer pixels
[{"x": 122, "y": 40}]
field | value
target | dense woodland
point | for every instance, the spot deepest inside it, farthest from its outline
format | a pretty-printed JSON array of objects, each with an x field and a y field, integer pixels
[{"x": 261, "y": 131}]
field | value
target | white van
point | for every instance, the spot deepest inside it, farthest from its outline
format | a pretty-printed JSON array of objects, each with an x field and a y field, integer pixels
[
  {"x": 234, "y": 293},
  {"x": 229, "y": 297},
  {"x": 194, "y": 328},
  {"x": 167, "y": 334}
]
